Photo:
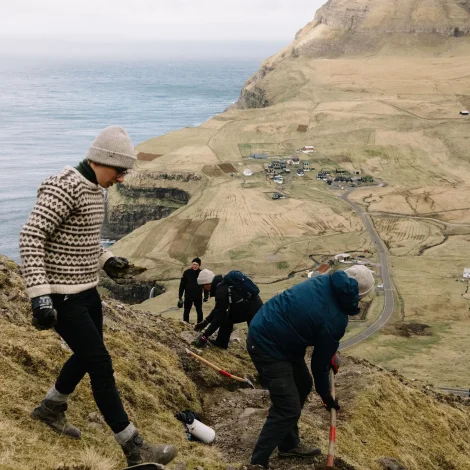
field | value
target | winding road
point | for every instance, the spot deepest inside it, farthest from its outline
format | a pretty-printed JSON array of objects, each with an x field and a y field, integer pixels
[{"x": 389, "y": 302}]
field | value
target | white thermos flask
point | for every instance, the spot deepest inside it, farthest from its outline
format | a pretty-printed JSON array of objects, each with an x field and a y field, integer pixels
[{"x": 201, "y": 431}]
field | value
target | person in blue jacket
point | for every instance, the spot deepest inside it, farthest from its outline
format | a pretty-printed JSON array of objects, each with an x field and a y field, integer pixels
[{"x": 312, "y": 313}]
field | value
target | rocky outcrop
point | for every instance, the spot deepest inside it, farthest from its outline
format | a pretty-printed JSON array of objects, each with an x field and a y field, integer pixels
[
  {"x": 170, "y": 194},
  {"x": 144, "y": 198},
  {"x": 132, "y": 292},
  {"x": 125, "y": 218},
  {"x": 360, "y": 27},
  {"x": 255, "y": 98},
  {"x": 159, "y": 175}
]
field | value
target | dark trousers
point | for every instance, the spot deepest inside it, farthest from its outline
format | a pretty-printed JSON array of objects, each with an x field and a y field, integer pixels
[
  {"x": 247, "y": 314},
  {"x": 289, "y": 384},
  {"x": 80, "y": 324},
  {"x": 188, "y": 303}
]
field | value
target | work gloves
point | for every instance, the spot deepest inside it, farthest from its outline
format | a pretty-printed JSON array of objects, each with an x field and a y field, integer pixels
[
  {"x": 116, "y": 266},
  {"x": 44, "y": 314},
  {"x": 180, "y": 303},
  {"x": 201, "y": 325},
  {"x": 335, "y": 363},
  {"x": 330, "y": 403},
  {"x": 201, "y": 341}
]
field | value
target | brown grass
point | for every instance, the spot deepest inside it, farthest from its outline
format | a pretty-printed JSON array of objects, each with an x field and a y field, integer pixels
[{"x": 382, "y": 415}]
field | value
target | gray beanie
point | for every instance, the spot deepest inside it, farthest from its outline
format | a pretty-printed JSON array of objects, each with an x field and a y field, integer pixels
[
  {"x": 112, "y": 147},
  {"x": 205, "y": 277},
  {"x": 364, "y": 278}
]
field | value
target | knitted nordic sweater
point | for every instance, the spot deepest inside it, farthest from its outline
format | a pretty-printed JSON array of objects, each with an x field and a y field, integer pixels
[{"x": 60, "y": 243}]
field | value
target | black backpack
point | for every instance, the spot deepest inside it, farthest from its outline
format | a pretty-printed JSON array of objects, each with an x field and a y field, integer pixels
[{"x": 246, "y": 290}]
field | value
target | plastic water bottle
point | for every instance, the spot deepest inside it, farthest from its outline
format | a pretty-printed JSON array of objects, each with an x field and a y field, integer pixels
[{"x": 201, "y": 431}]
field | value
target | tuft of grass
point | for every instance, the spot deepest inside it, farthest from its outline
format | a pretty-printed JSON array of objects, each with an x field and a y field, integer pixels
[{"x": 282, "y": 265}]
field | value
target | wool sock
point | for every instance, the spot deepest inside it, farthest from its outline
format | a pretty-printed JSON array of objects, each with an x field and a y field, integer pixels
[
  {"x": 56, "y": 396},
  {"x": 123, "y": 436}
]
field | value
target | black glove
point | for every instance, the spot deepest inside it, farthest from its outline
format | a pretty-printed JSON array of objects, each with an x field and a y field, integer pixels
[
  {"x": 44, "y": 314},
  {"x": 335, "y": 363},
  {"x": 200, "y": 326},
  {"x": 180, "y": 303},
  {"x": 329, "y": 402},
  {"x": 201, "y": 341},
  {"x": 116, "y": 266}
]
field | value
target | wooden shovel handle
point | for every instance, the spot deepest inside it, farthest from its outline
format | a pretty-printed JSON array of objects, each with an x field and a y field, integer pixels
[{"x": 213, "y": 366}]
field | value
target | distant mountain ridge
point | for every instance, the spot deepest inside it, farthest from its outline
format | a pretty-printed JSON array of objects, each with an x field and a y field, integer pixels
[{"x": 366, "y": 28}]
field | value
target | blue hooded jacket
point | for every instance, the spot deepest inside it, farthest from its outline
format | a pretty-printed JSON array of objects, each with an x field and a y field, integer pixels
[{"x": 312, "y": 313}]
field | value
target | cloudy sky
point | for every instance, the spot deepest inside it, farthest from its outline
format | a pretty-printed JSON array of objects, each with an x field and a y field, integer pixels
[{"x": 56, "y": 23}]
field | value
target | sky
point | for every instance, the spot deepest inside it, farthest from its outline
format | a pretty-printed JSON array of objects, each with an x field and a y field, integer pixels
[{"x": 103, "y": 26}]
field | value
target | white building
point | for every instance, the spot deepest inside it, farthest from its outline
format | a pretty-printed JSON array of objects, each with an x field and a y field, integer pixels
[
  {"x": 466, "y": 273},
  {"x": 342, "y": 256}
]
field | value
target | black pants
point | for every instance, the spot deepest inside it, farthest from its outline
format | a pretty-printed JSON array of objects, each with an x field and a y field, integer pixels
[
  {"x": 188, "y": 303},
  {"x": 240, "y": 316},
  {"x": 80, "y": 324},
  {"x": 289, "y": 384}
]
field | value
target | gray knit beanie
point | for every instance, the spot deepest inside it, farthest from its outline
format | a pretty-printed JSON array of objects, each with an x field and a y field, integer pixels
[
  {"x": 205, "y": 277},
  {"x": 112, "y": 147},
  {"x": 364, "y": 278}
]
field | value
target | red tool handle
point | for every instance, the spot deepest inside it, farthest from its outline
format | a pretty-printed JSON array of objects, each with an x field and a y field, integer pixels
[{"x": 331, "y": 447}]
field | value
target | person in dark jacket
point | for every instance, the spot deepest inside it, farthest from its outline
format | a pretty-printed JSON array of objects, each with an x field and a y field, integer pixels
[
  {"x": 192, "y": 291},
  {"x": 312, "y": 313},
  {"x": 225, "y": 313}
]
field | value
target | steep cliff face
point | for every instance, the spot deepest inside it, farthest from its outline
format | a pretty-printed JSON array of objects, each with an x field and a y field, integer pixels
[
  {"x": 143, "y": 198},
  {"x": 368, "y": 27}
]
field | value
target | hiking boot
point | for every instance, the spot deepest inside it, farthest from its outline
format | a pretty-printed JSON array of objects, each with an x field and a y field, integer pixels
[
  {"x": 215, "y": 343},
  {"x": 301, "y": 451},
  {"x": 53, "y": 414},
  {"x": 137, "y": 451}
]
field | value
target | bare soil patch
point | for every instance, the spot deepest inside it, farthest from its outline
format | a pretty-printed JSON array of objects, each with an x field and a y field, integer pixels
[
  {"x": 148, "y": 157},
  {"x": 412, "y": 329},
  {"x": 302, "y": 128},
  {"x": 192, "y": 237},
  {"x": 212, "y": 170},
  {"x": 227, "y": 168}
]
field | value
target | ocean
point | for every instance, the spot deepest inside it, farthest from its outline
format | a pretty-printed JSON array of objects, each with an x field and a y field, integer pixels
[{"x": 50, "y": 113}]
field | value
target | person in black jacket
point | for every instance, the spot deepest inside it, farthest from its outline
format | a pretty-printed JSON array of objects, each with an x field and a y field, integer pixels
[
  {"x": 227, "y": 310},
  {"x": 192, "y": 291}
]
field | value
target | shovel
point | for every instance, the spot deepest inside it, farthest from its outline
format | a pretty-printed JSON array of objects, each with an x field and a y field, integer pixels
[
  {"x": 220, "y": 370},
  {"x": 331, "y": 447}
]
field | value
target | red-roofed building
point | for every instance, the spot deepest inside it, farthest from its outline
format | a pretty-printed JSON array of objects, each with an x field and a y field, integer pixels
[{"x": 323, "y": 268}]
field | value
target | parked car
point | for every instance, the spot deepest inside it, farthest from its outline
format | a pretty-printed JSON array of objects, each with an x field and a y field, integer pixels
[{"x": 300, "y": 172}]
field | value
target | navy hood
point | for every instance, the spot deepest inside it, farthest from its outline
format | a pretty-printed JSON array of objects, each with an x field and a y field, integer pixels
[{"x": 346, "y": 292}]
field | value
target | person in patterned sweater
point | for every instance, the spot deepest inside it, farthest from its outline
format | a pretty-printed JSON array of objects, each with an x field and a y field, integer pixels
[{"x": 61, "y": 255}]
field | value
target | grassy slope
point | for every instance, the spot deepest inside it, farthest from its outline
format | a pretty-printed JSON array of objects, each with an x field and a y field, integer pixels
[{"x": 382, "y": 416}]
